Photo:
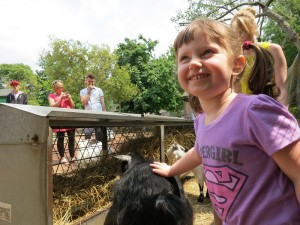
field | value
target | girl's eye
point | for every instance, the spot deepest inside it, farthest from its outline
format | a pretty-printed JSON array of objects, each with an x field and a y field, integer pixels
[
  {"x": 184, "y": 58},
  {"x": 207, "y": 52}
]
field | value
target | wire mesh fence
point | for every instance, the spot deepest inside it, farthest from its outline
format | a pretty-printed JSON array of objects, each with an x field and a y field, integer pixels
[{"x": 82, "y": 185}]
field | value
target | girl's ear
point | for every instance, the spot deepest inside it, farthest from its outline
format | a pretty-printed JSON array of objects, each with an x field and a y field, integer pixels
[{"x": 239, "y": 65}]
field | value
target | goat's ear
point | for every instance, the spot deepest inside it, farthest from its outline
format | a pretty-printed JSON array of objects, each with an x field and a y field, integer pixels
[
  {"x": 126, "y": 161},
  {"x": 124, "y": 157}
]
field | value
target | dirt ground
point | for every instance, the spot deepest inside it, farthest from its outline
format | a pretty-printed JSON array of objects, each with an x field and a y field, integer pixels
[{"x": 203, "y": 212}]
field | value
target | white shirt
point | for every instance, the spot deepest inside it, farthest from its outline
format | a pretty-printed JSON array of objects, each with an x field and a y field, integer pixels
[{"x": 94, "y": 103}]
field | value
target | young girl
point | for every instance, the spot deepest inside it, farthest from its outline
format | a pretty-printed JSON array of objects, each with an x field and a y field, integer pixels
[
  {"x": 244, "y": 24},
  {"x": 63, "y": 100},
  {"x": 248, "y": 144}
]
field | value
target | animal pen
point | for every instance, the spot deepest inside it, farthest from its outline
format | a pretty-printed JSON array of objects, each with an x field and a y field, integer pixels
[{"x": 36, "y": 189}]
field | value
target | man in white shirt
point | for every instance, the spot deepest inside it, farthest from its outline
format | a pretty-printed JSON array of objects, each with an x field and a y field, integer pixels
[{"x": 93, "y": 99}]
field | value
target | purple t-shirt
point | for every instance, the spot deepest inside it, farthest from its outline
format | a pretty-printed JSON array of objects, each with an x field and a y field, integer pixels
[{"x": 245, "y": 185}]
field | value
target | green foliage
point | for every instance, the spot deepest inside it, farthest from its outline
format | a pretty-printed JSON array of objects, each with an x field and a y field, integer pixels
[
  {"x": 153, "y": 77},
  {"x": 70, "y": 61},
  {"x": 120, "y": 89},
  {"x": 215, "y": 9},
  {"x": 24, "y": 74},
  {"x": 44, "y": 87},
  {"x": 1, "y": 84},
  {"x": 272, "y": 32},
  {"x": 296, "y": 112}
]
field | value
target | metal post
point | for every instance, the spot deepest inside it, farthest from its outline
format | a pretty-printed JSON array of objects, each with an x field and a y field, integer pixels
[
  {"x": 49, "y": 175},
  {"x": 162, "y": 143},
  {"x": 104, "y": 138}
]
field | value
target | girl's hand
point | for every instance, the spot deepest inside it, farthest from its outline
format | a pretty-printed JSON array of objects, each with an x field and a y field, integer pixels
[
  {"x": 63, "y": 96},
  {"x": 68, "y": 95},
  {"x": 161, "y": 169}
]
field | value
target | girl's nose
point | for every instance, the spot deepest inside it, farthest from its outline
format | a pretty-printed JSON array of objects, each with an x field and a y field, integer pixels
[{"x": 195, "y": 63}]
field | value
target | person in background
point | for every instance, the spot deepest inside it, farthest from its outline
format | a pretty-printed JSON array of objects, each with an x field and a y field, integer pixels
[
  {"x": 243, "y": 22},
  {"x": 92, "y": 98},
  {"x": 16, "y": 96},
  {"x": 249, "y": 144},
  {"x": 63, "y": 100}
]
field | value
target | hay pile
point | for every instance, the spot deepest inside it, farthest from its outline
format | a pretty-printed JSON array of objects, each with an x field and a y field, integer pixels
[
  {"x": 203, "y": 212},
  {"x": 85, "y": 191}
]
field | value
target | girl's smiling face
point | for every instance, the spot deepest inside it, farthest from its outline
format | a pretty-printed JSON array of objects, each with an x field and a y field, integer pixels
[{"x": 204, "y": 68}]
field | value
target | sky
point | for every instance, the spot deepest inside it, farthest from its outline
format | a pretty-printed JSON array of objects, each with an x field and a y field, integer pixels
[{"x": 26, "y": 26}]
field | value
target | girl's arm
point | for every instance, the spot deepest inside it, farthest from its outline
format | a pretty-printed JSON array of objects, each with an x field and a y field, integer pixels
[
  {"x": 189, "y": 161},
  {"x": 72, "y": 105},
  {"x": 280, "y": 70},
  {"x": 52, "y": 103},
  {"x": 288, "y": 159}
]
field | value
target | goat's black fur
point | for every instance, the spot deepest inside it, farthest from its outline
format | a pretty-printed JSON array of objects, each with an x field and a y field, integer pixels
[{"x": 142, "y": 197}]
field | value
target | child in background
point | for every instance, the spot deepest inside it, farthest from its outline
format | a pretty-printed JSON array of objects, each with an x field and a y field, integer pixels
[
  {"x": 244, "y": 24},
  {"x": 248, "y": 144}
]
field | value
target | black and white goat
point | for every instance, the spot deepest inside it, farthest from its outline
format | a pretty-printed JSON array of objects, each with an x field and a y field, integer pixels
[
  {"x": 174, "y": 153},
  {"x": 142, "y": 197}
]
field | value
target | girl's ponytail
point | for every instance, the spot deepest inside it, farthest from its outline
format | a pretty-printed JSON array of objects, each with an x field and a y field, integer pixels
[{"x": 262, "y": 77}]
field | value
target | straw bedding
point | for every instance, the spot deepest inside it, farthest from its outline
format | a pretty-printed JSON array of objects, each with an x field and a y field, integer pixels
[{"x": 88, "y": 190}]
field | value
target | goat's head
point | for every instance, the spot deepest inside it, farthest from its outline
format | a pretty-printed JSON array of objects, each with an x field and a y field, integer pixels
[
  {"x": 175, "y": 147},
  {"x": 175, "y": 152},
  {"x": 129, "y": 160}
]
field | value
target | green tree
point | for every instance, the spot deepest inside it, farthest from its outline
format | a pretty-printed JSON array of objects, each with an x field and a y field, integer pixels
[
  {"x": 24, "y": 74},
  {"x": 2, "y": 83},
  {"x": 273, "y": 14},
  {"x": 120, "y": 89},
  {"x": 44, "y": 87},
  {"x": 70, "y": 61},
  {"x": 154, "y": 77}
]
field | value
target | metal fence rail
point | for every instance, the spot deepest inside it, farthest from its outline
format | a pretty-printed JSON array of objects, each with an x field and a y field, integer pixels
[{"x": 90, "y": 151}]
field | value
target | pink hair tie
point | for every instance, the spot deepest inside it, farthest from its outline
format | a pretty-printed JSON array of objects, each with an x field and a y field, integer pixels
[{"x": 247, "y": 45}]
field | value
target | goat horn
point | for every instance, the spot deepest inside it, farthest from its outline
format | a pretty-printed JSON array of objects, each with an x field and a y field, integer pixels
[{"x": 124, "y": 157}]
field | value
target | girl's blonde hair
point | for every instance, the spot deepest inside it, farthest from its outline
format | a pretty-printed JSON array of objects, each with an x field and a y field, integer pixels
[
  {"x": 244, "y": 24},
  {"x": 56, "y": 84}
]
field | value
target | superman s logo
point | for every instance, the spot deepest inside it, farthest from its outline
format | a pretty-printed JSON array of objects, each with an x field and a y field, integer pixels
[{"x": 224, "y": 185}]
